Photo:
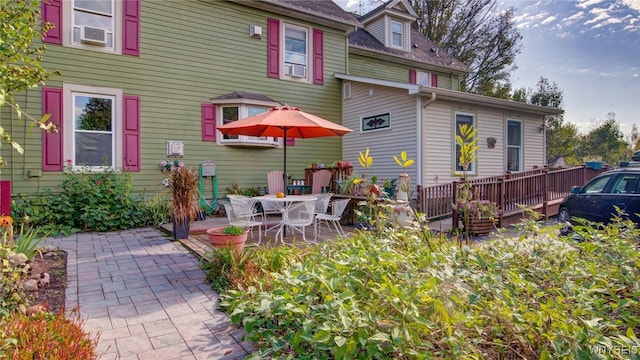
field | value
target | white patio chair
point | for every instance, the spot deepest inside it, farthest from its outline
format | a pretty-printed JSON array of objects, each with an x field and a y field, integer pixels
[
  {"x": 297, "y": 217},
  {"x": 337, "y": 208},
  {"x": 322, "y": 204},
  {"x": 242, "y": 213}
]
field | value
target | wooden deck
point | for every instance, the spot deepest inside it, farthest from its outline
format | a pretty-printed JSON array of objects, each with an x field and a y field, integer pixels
[{"x": 199, "y": 243}]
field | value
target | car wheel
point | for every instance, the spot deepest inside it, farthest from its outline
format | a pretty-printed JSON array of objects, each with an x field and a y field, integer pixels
[
  {"x": 563, "y": 215},
  {"x": 563, "y": 218}
]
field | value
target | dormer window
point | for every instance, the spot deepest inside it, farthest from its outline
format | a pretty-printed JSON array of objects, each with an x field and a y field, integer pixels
[{"x": 397, "y": 34}]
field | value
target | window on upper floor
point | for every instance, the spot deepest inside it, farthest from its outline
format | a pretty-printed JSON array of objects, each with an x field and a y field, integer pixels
[
  {"x": 93, "y": 22},
  {"x": 101, "y": 25},
  {"x": 397, "y": 34},
  {"x": 514, "y": 145},
  {"x": 462, "y": 119},
  {"x": 423, "y": 78},
  {"x": 295, "y": 52}
]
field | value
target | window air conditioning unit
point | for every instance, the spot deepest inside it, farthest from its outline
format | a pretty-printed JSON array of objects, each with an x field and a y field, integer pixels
[
  {"x": 295, "y": 70},
  {"x": 92, "y": 35}
]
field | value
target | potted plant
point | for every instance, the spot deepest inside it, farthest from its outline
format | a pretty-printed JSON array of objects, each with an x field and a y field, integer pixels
[
  {"x": 479, "y": 216},
  {"x": 183, "y": 185},
  {"x": 228, "y": 236}
]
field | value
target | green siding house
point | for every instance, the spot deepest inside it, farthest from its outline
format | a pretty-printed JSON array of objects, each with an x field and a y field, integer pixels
[{"x": 149, "y": 81}]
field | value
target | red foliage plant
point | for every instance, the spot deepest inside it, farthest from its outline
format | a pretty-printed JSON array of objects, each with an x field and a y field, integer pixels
[{"x": 47, "y": 336}]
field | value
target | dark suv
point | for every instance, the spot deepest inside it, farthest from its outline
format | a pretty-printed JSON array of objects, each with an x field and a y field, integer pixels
[{"x": 596, "y": 200}]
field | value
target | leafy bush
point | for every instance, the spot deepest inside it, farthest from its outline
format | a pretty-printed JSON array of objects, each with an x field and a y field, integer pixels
[
  {"x": 536, "y": 297},
  {"x": 46, "y": 336},
  {"x": 11, "y": 272},
  {"x": 227, "y": 269},
  {"x": 98, "y": 201},
  {"x": 156, "y": 210}
]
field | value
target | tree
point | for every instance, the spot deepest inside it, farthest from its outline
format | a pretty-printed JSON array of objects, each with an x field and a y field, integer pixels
[
  {"x": 634, "y": 138},
  {"x": 606, "y": 142},
  {"x": 477, "y": 34},
  {"x": 20, "y": 61},
  {"x": 562, "y": 138}
]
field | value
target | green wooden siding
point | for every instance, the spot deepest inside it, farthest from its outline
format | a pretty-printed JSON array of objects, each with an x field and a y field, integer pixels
[
  {"x": 375, "y": 68},
  {"x": 190, "y": 52}
]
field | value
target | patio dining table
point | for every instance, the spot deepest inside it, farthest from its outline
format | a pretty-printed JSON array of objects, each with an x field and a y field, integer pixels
[{"x": 282, "y": 203}]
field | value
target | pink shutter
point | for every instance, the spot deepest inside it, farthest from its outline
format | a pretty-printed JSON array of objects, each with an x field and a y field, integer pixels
[
  {"x": 52, "y": 142},
  {"x": 318, "y": 57},
  {"x": 273, "y": 48},
  {"x": 5, "y": 197},
  {"x": 131, "y": 27},
  {"x": 52, "y": 13},
  {"x": 131, "y": 133},
  {"x": 412, "y": 76},
  {"x": 208, "y": 122},
  {"x": 434, "y": 80},
  {"x": 291, "y": 141}
]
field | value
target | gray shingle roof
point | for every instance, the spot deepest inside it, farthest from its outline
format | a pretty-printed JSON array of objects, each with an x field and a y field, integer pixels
[
  {"x": 423, "y": 50},
  {"x": 243, "y": 95},
  {"x": 320, "y": 7}
]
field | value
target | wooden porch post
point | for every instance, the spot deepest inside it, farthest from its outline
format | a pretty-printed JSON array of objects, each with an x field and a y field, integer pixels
[
  {"x": 545, "y": 194},
  {"x": 454, "y": 212}
]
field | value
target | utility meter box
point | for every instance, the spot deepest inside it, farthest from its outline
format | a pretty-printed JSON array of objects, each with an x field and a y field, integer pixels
[{"x": 208, "y": 168}]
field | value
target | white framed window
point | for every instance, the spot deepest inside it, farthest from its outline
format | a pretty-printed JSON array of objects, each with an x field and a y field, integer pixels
[
  {"x": 240, "y": 109},
  {"x": 346, "y": 90},
  {"x": 514, "y": 145},
  {"x": 423, "y": 78},
  {"x": 93, "y": 24},
  {"x": 92, "y": 127},
  {"x": 295, "y": 52},
  {"x": 462, "y": 118},
  {"x": 397, "y": 34}
]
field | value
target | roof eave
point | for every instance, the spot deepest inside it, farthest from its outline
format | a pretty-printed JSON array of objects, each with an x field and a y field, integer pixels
[
  {"x": 400, "y": 60},
  {"x": 497, "y": 103},
  {"x": 292, "y": 11},
  {"x": 451, "y": 95}
]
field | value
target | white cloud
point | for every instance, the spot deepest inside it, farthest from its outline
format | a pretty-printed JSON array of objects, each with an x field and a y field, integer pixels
[
  {"x": 548, "y": 20},
  {"x": 634, "y": 4},
  {"x": 586, "y": 3}
]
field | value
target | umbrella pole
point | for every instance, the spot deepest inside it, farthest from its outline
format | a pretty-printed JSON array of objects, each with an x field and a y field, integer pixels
[{"x": 284, "y": 176}]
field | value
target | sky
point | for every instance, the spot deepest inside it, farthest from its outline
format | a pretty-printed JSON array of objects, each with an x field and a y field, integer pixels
[{"x": 589, "y": 48}]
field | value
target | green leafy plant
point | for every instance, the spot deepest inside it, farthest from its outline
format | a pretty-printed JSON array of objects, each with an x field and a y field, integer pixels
[
  {"x": 12, "y": 270},
  {"x": 45, "y": 335},
  {"x": 99, "y": 201},
  {"x": 233, "y": 230},
  {"x": 538, "y": 296},
  {"x": 156, "y": 210},
  {"x": 28, "y": 240},
  {"x": 227, "y": 269}
]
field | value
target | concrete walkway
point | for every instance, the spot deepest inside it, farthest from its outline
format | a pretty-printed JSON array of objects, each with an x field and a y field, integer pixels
[{"x": 146, "y": 296}]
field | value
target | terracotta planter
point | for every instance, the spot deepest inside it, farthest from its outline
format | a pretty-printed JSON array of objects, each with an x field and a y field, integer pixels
[
  {"x": 480, "y": 226},
  {"x": 219, "y": 240}
]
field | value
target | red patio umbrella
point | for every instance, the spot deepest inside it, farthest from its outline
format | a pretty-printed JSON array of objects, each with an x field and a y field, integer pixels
[{"x": 284, "y": 121}]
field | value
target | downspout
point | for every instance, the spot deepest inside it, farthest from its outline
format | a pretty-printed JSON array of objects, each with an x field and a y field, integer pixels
[{"x": 419, "y": 108}]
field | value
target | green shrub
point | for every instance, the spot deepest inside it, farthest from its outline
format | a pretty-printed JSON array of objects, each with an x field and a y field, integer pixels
[
  {"x": 391, "y": 297},
  {"x": 226, "y": 269},
  {"x": 156, "y": 210},
  {"x": 11, "y": 273},
  {"x": 93, "y": 201},
  {"x": 46, "y": 336}
]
